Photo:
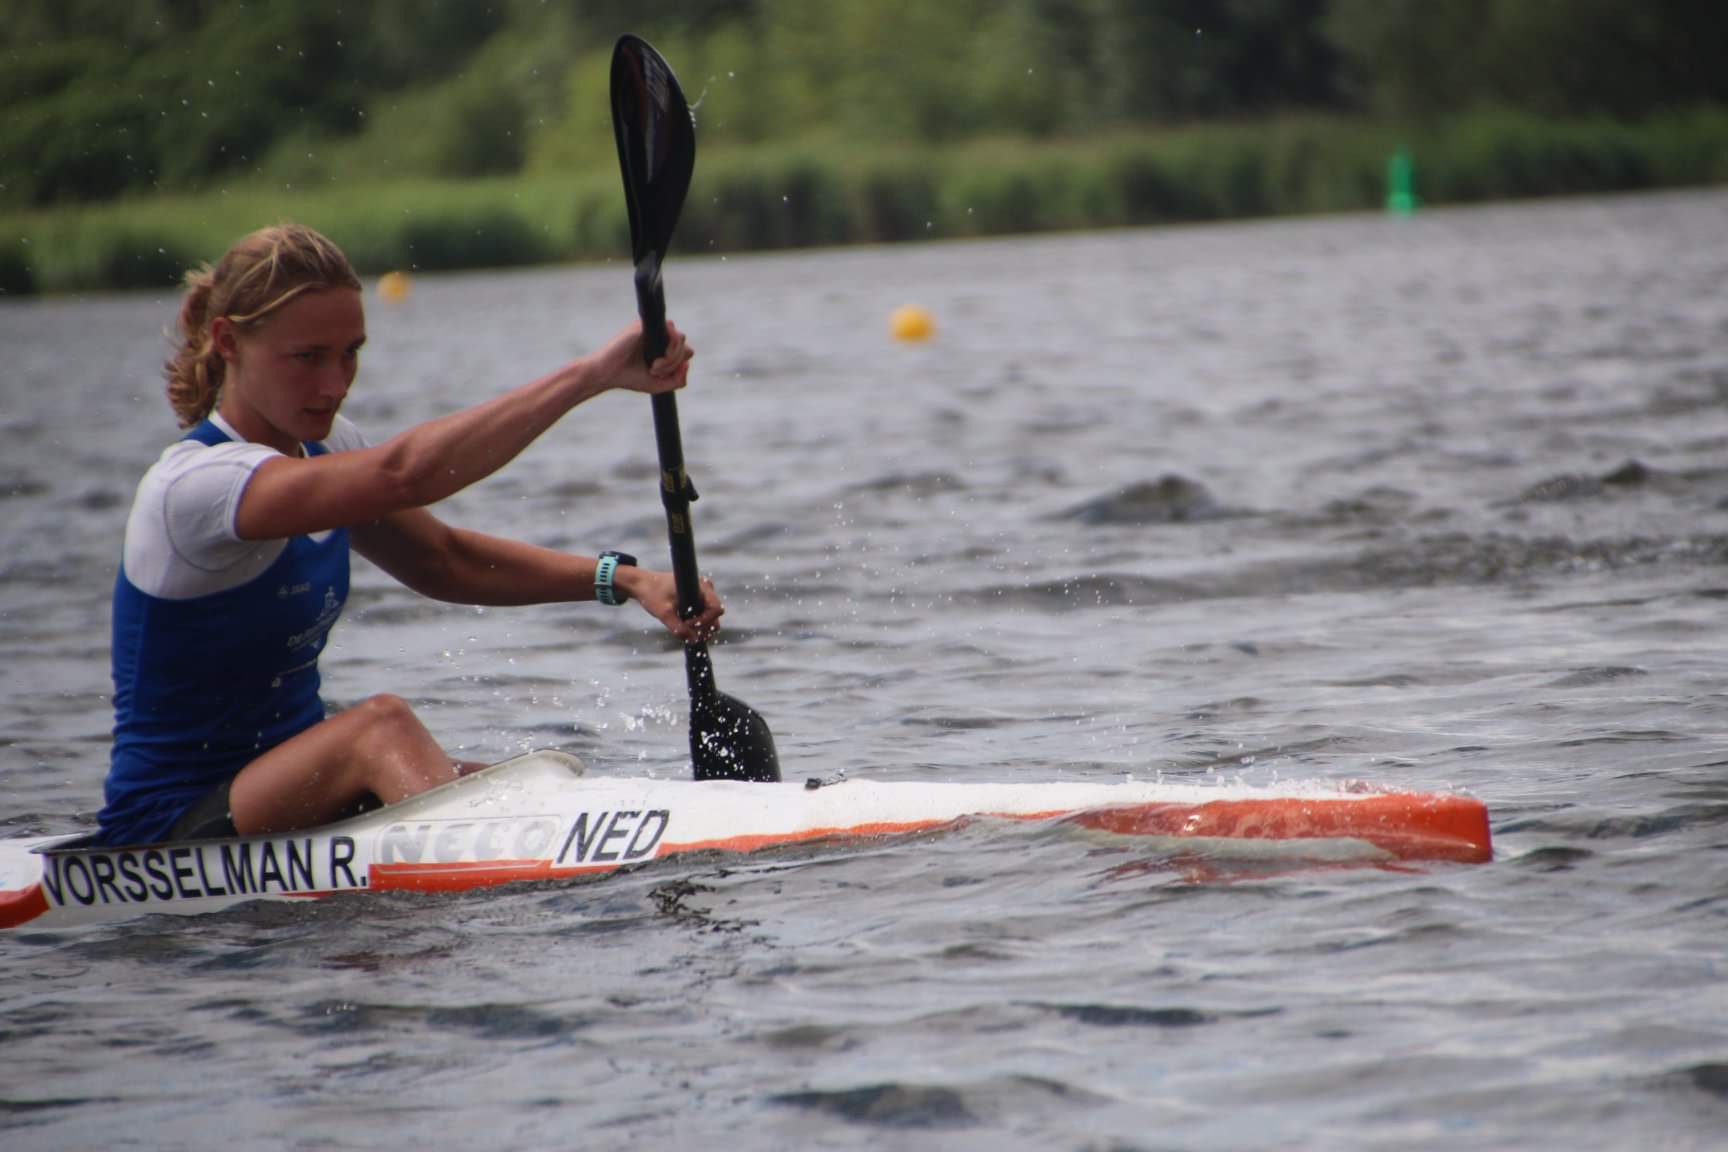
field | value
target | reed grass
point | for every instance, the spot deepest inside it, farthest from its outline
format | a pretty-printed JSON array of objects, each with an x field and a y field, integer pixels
[{"x": 827, "y": 192}]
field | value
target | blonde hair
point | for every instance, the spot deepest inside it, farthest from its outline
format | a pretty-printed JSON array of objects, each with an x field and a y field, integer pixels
[{"x": 258, "y": 275}]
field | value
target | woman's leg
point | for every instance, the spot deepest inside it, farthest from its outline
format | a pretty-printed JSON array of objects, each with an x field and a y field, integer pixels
[{"x": 377, "y": 746}]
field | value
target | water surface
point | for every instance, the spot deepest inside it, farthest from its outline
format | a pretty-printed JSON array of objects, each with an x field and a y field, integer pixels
[{"x": 1437, "y": 503}]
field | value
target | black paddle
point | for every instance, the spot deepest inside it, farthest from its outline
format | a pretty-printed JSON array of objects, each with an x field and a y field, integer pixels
[{"x": 657, "y": 151}]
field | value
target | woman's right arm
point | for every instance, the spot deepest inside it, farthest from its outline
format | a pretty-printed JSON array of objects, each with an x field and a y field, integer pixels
[{"x": 431, "y": 461}]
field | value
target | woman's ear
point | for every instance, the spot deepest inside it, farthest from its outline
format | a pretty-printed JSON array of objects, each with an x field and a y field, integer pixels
[{"x": 224, "y": 340}]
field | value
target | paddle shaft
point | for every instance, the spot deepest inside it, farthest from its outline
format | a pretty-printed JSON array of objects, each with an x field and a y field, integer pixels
[
  {"x": 656, "y": 139},
  {"x": 676, "y": 491}
]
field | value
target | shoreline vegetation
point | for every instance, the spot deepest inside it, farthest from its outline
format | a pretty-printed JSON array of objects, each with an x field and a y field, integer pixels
[
  {"x": 821, "y": 194},
  {"x": 142, "y": 138}
]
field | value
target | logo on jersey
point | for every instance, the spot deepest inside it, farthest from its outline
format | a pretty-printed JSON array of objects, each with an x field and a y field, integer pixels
[{"x": 326, "y": 620}]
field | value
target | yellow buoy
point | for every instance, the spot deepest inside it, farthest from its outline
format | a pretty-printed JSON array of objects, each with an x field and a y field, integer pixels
[
  {"x": 911, "y": 324},
  {"x": 393, "y": 286}
]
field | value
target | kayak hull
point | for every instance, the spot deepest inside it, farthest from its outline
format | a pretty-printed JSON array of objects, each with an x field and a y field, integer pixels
[{"x": 537, "y": 817}]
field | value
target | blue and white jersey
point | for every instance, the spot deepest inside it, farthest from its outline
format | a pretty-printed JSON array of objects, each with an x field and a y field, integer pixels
[{"x": 216, "y": 639}]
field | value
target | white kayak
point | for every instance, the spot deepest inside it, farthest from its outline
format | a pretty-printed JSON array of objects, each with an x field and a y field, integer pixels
[{"x": 537, "y": 817}]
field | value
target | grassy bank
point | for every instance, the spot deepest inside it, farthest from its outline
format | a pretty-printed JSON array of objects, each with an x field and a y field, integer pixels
[{"x": 829, "y": 194}]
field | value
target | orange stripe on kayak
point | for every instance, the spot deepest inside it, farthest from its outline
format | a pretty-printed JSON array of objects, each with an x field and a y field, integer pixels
[
  {"x": 875, "y": 828},
  {"x": 22, "y": 905},
  {"x": 1410, "y": 826},
  {"x": 462, "y": 876}
]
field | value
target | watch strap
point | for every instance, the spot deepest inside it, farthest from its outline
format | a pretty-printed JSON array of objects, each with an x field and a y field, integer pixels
[{"x": 605, "y": 570}]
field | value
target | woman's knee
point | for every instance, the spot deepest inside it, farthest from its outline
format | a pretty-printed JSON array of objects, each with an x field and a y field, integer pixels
[{"x": 388, "y": 715}]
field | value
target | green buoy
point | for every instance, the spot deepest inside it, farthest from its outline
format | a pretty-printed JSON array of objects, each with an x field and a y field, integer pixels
[{"x": 1401, "y": 184}]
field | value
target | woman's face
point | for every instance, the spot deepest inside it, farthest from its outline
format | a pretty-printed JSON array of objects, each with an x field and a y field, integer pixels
[{"x": 287, "y": 378}]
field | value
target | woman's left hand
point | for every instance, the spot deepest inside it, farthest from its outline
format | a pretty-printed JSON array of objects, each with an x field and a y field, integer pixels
[{"x": 657, "y": 592}]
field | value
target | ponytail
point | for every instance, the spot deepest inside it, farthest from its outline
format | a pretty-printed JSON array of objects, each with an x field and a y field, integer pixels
[{"x": 195, "y": 370}]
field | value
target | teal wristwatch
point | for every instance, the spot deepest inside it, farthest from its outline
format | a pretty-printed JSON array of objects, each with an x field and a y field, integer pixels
[{"x": 605, "y": 590}]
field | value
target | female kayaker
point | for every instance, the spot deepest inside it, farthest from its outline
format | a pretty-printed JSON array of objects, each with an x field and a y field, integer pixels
[{"x": 235, "y": 562}]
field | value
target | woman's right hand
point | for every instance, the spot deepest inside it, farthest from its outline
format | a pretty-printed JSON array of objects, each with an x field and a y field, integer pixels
[
  {"x": 657, "y": 592},
  {"x": 622, "y": 367}
]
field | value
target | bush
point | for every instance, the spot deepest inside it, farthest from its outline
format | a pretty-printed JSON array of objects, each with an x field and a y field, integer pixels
[
  {"x": 108, "y": 255},
  {"x": 892, "y": 202},
  {"x": 1497, "y": 155},
  {"x": 480, "y": 130},
  {"x": 789, "y": 200},
  {"x": 495, "y": 241},
  {"x": 601, "y": 228},
  {"x": 1152, "y": 188},
  {"x": 1005, "y": 197},
  {"x": 16, "y": 278}
]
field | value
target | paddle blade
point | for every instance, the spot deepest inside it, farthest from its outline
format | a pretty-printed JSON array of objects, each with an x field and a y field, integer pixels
[
  {"x": 730, "y": 741},
  {"x": 656, "y": 144}
]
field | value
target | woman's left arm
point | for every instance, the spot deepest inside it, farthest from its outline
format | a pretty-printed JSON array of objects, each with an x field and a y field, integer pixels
[{"x": 464, "y": 567}]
